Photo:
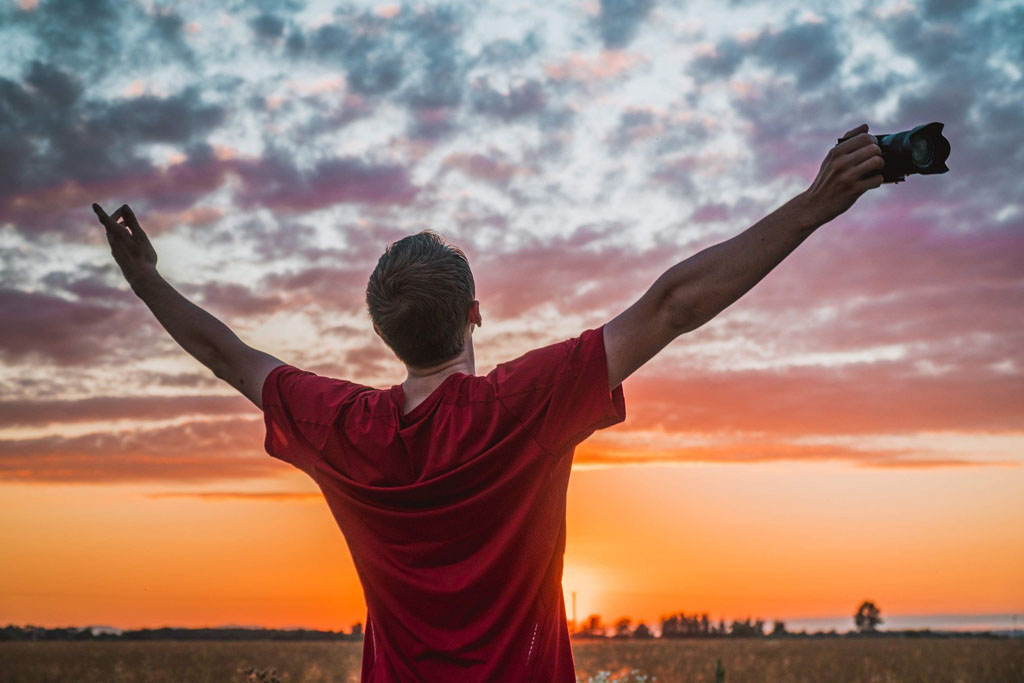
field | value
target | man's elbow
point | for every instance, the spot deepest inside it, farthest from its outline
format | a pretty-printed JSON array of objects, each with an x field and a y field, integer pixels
[
  {"x": 217, "y": 364},
  {"x": 681, "y": 311}
]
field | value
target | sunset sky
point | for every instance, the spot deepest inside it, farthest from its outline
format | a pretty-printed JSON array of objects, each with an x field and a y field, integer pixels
[{"x": 851, "y": 429}]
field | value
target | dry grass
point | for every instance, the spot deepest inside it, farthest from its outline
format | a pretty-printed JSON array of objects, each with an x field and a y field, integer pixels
[{"x": 864, "y": 661}]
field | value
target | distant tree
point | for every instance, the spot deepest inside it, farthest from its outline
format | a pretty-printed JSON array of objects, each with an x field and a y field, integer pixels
[
  {"x": 779, "y": 628},
  {"x": 683, "y": 625},
  {"x": 747, "y": 628},
  {"x": 622, "y": 628},
  {"x": 722, "y": 629},
  {"x": 868, "y": 617},
  {"x": 592, "y": 627},
  {"x": 357, "y": 629},
  {"x": 641, "y": 631}
]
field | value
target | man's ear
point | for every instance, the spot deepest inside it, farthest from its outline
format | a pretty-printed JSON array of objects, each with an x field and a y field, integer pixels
[
  {"x": 474, "y": 314},
  {"x": 376, "y": 330}
]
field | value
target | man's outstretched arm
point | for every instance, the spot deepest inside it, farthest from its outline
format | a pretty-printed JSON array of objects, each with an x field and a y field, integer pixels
[
  {"x": 694, "y": 291},
  {"x": 207, "y": 339}
]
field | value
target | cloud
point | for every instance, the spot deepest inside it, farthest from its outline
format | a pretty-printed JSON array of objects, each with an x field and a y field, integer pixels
[
  {"x": 266, "y": 25},
  {"x": 308, "y": 142},
  {"x": 193, "y": 452},
  {"x": 608, "y": 65},
  {"x": 59, "y": 330},
  {"x": 863, "y": 398},
  {"x": 273, "y": 181},
  {"x": 55, "y": 32},
  {"x": 337, "y": 287},
  {"x": 492, "y": 168},
  {"x": 619, "y": 20},
  {"x": 569, "y": 272},
  {"x": 808, "y": 51},
  {"x": 26, "y": 413},
  {"x": 519, "y": 101},
  {"x": 414, "y": 53},
  {"x": 66, "y": 145},
  {"x": 236, "y": 300}
]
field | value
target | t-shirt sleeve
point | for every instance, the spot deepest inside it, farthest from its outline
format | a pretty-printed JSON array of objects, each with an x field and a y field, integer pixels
[
  {"x": 560, "y": 392},
  {"x": 300, "y": 410}
]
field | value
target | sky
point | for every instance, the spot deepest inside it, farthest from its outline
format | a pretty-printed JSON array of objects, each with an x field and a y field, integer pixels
[{"x": 853, "y": 428}]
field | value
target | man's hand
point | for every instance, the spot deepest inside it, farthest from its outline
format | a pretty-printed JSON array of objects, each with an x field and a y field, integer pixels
[
  {"x": 128, "y": 243},
  {"x": 850, "y": 169}
]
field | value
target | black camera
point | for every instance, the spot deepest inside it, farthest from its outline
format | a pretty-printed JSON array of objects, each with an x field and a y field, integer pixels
[{"x": 920, "y": 150}]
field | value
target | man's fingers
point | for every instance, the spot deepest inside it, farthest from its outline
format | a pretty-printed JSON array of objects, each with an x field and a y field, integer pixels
[
  {"x": 859, "y": 129},
  {"x": 862, "y": 153},
  {"x": 873, "y": 164},
  {"x": 133, "y": 223},
  {"x": 869, "y": 183},
  {"x": 856, "y": 142},
  {"x": 114, "y": 229},
  {"x": 104, "y": 218}
]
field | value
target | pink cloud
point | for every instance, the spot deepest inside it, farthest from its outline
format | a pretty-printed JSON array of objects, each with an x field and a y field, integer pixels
[
  {"x": 276, "y": 183},
  {"x": 882, "y": 397},
  {"x": 21, "y": 413},
  {"x": 195, "y": 451},
  {"x": 588, "y": 69},
  {"x": 486, "y": 167}
]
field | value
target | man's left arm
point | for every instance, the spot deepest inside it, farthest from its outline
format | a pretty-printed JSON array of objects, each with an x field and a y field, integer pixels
[{"x": 205, "y": 338}]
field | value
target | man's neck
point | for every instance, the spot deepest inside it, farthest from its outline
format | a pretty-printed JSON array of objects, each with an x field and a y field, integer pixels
[{"x": 424, "y": 381}]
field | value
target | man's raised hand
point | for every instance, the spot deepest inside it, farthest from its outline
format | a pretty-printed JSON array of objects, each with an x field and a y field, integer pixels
[
  {"x": 850, "y": 169},
  {"x": 128, "y": 243}
]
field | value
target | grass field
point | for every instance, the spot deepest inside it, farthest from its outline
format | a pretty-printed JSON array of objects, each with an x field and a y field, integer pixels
[{"x": 932, "y": 660}]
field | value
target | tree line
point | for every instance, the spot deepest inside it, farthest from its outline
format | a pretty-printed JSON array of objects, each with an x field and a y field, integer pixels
[{"x": 683, "y": 625}]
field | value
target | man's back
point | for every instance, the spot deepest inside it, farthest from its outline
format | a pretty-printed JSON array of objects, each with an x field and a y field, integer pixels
[{"x": 455, "y": 512}]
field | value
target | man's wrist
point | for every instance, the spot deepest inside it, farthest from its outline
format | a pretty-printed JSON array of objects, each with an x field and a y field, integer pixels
[
  {"x": 144, "y": 281},
  {"x": 807, "y": 217}
]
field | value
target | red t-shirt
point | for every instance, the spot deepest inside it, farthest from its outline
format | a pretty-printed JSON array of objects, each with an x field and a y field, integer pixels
[{"x": 454, "y": 513}]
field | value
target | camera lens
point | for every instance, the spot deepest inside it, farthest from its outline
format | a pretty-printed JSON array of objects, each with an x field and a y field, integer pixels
[{"x": 921, "y": 151}]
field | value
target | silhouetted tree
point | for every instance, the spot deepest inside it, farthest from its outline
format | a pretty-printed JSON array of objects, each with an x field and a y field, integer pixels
[
  {"x": 747, "y": 628},
  {"x": 641, "y": 631},
  {"x": 868, "y": 617},
  {"x": 684, "y": 626},
  {"x": 592, "y": 627},
  {"x": 622, "y": 627},
  {"x": 779, "y": 628},
  {"x": 357, "y": 629}
]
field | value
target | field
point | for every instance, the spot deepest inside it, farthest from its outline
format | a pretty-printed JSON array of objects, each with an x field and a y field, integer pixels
[{"x": 931, "y": 660}]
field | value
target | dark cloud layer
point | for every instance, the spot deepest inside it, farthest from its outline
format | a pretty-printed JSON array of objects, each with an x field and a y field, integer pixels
[
  {"x": 55, "y": 141},
  {"x": 619, "y": 20},
  {"x": 58, "y": 330},
  {"x": 275, "y": 182},
  {"x": 808, "y": 51},
  {"x": 91, "y": 37}
]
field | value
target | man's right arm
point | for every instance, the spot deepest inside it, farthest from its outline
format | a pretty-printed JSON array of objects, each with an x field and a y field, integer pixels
[{"x": 696, "y": 290}]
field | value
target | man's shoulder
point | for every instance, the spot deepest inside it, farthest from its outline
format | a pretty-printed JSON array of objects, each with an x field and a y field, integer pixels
[{"x": 549, "y": 360}]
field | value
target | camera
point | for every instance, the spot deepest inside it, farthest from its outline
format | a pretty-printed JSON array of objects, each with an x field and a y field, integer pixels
[{"x": 919, "y": 150}]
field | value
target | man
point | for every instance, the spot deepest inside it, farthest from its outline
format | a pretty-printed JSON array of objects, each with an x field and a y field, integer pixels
[{"x": 450, "y": 488}]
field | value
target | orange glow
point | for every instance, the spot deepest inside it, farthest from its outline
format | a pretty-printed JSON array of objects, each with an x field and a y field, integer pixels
[{"x": 771, "y": 541}]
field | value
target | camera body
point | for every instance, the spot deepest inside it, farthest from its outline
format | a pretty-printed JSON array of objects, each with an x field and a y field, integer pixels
[{"x": 920, "y": 150}]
